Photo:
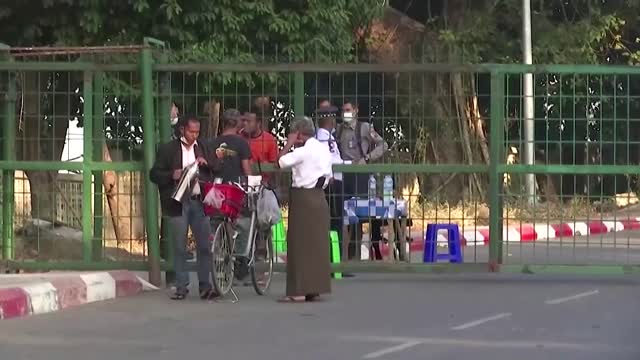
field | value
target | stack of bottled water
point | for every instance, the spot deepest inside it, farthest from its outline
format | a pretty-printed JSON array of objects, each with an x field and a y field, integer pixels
[{"x": 372, "y": 195}]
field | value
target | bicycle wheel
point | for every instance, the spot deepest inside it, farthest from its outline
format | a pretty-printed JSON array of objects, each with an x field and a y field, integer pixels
[
  {"x": 222, "y": 266},
  {"x": 262, "y": 267}
]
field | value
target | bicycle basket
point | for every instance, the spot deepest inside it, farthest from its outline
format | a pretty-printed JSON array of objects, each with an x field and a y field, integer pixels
[{"x": 233, "y": 200}]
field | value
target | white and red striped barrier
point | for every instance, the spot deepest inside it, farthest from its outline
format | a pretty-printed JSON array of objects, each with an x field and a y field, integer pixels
[
  {"x": 520, "y": 233},
  {"x": 531, "y": 232},
  {"x": 26, "y": 294}
]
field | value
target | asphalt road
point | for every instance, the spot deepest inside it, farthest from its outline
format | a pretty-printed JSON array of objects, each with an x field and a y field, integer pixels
[{"x": 499, "y": 317}]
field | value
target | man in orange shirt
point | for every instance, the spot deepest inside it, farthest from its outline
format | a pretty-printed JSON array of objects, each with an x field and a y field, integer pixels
[{"x": 264, "y": 147}]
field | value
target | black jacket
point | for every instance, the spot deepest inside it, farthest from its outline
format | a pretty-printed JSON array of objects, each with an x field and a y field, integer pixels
[{"x": 168, "y": 159}]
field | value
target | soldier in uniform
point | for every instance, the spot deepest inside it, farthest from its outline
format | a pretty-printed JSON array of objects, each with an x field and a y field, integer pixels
[{"x": 361, "y": 144}]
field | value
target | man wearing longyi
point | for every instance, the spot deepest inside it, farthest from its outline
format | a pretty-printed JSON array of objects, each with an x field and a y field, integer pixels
[{"x": 308, "y": 268}]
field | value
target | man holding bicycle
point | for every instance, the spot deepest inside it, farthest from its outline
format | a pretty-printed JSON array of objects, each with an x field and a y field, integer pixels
[{"x": 234, "y": 154}]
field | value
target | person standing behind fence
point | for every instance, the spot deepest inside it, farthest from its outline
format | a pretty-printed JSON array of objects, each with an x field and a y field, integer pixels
[
  {"x": 326, "y": 118},
  {"x": 263, "y": 145},
  {"x": 308, "y": 267},
  {"x": 171, "y": 159},
  {"x": 361, "y": 144},
  {"x": 232, "y": 149}
]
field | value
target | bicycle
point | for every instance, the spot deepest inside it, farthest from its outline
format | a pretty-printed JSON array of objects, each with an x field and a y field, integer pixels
[{"x": 259, "y": 249}]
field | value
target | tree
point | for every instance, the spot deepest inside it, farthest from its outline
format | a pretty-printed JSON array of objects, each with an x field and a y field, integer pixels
[
  {"x": 578, "y": 32},
  {"x": 196, "y": 31}
]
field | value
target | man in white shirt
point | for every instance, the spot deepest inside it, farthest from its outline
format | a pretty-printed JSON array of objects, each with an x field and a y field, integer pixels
[
  {"x": 308, "y": 267},
  {"x": 172, "y": 158}
]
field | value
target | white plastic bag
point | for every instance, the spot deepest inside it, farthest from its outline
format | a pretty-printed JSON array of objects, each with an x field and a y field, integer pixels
[
  {"x": 269, "y": 212},
  {"x": 214, "y": 198}
]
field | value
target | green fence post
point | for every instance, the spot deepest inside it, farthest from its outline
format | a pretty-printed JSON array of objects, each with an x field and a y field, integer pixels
[
  {"x": 98, "y": 140},
  {"x": 164, "y": 127},
  {"x": 9, "y": 150},
  {"x": 87, "y": 174},
  {"x": 496, "y": 178},
  {"x": 150, "y": 189},
  {"x": 298, "y": 93}
]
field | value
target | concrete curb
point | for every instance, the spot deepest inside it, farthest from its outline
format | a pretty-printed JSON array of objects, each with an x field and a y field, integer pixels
[{"x": 32, "y": 294}]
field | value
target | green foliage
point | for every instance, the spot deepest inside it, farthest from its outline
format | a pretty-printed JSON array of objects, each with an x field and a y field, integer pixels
[
  {"x": 581, "y": 31},
  {"x": 228, "y": 30},
  {"x": 195, "y": 31}
]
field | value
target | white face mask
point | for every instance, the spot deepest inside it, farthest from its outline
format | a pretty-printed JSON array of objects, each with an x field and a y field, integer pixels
[
  {"x": 174, "y": 121},
  {"x": 348, "y": 117}
]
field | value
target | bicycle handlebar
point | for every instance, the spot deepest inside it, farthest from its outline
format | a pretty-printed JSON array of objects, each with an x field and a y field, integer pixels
[{"x": 249, "y": 188}]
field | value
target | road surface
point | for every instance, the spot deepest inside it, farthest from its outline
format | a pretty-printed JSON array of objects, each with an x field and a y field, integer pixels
[{"x": 488, "y": 316}]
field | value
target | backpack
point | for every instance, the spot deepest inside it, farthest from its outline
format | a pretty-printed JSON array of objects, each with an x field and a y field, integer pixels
[{"x": 358, "y": 131}]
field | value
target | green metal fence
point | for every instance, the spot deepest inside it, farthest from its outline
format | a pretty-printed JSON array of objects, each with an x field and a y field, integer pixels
[{"x": 454, "y": 131}]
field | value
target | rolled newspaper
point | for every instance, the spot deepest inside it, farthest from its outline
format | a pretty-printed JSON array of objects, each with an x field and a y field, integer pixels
[{"x": 189, "y": 175}]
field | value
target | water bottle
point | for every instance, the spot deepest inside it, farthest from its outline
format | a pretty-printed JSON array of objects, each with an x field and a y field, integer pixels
[
  {"x": 387, "y": 188},
  {"x": 372, "y": 195}
]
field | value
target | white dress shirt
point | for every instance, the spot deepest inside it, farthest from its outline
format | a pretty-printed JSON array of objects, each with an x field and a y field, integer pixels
[
  {"x": 327, "y": 139},
  {"x": 188, "y": 158},
  {"x": 308, "y": 163}
]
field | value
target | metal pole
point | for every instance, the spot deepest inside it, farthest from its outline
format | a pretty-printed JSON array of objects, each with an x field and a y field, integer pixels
[
  {"x": 298, "y": 93},
  {"x": 528, "y": 111},
  {"x": 87, "y": 160},
  {"x": 150, "y": 189},
  {"x": 496, "y": 178},
  {"x": 9, "y": 150},
  {"x": 98, "y": 140},
  {"x": 164, "y": 125}
]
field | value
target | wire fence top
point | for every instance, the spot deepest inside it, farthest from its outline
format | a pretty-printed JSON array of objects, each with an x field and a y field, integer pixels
[{"x": 82, "y": 65}]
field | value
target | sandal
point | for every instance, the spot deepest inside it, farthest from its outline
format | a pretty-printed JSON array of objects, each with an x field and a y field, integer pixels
[
  {"x": 179, "y": 296},
  {"x": 292, "y": 299},
  {"x": 208, "y": 294},
  {"x": 311, "y": 297}
]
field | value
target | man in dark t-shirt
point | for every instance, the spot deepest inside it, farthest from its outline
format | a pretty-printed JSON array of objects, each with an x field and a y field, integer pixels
[
  {"x": 232, "y": 149},
  {"x": 234, "y": 152}
]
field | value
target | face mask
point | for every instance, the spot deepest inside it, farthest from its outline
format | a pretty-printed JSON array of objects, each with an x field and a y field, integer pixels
[
  {"x": 348, "y": 117},
  {"x": 174, "y": 121}
]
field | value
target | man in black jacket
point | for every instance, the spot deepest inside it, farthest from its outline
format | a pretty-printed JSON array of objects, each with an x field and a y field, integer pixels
[{"x": 171, "y": 159}]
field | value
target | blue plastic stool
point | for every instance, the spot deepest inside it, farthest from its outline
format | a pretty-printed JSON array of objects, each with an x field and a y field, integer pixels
[{"x": 431, "y": 244}]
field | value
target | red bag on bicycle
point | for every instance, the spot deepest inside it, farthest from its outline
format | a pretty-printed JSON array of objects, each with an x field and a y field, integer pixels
[{"x": 223, "y": 200}]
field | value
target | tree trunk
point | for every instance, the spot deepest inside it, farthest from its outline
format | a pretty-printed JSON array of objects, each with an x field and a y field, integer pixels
[
  {"x": 212, "y": 110},
  {"x": 124, "y": 201},
  {"x": 110, "y": 181},
  {"x": 446, "y": 143},
  {"x": 464, "y": 124},
  {"x": 43, "y": 138},
  {"x": 477, "y": 122}
]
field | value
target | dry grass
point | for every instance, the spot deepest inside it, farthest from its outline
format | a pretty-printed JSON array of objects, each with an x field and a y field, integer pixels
[{"x": 472, "y": 215}]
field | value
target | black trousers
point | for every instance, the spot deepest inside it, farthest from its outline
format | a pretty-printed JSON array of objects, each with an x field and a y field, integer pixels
[
  {"x": 335, "y": 198},
  {"x": 357, "y": 185}
]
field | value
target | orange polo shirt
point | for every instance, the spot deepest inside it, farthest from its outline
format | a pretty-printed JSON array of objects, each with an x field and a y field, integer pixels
[{"x": 264, "y": 149}]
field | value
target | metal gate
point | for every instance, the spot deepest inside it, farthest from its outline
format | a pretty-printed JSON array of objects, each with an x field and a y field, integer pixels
[{"x": 455, "y": 142}]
